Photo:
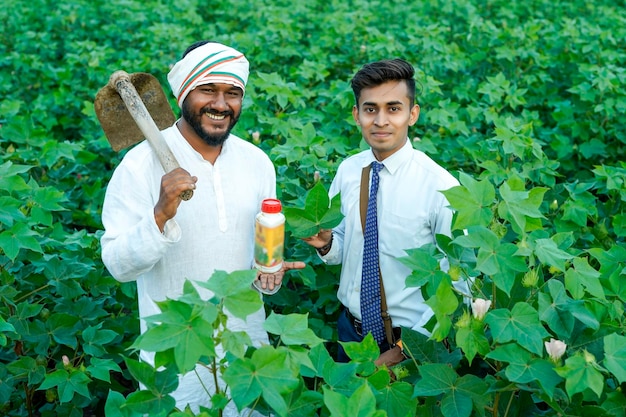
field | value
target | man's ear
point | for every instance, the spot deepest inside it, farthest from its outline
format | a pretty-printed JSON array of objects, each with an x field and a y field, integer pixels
[
  {"x": 415, "y": 114},
  {"x": 355, "y": 114}
]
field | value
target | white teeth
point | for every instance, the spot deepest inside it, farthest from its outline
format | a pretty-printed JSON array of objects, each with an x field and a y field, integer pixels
[{"x": 216, "y": 116}]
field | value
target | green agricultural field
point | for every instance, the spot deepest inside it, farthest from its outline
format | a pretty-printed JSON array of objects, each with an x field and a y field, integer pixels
[{"x": 524, "y": 101}]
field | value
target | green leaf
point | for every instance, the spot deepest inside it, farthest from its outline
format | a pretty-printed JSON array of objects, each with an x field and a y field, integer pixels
[
  {"x": 5, "y": 327},
  {"x": 366, "y": 350},
  {"x": 559, "y": 311},
  {"x": 397, "y": 399},
  {"x": 519, "y": 205},
  {"x": 298, "y": 359},
  {"x": 426, "y": 350},
  {"x": 150, "y": 403},
  {"x": 304, "y": 403},
  {"x": 341, "y": 376},
  {"x": 583, "y": 277},
  {"x": 456, "y": 404},
  {"x": 615, "y": 403},
  {"x": 472, "y": 201},
  {"x": 293, "y": 329},
  {"x": 457, "y": 400},
  {"x": 235, "y": 343},
  {"x": 67, "y": 384},
  {"x": 191, "y": 339},
  {"x": 581, "y": 375},
  {"x": 11, "y": 210},
  {"x": 475, "y": 388},
  {"x": 523, "y": 368},
  {"x": 443, "y": 304},
  {"x": 319, "y": 212},
  {"x": 10, "y": 178},
  {"x": 520, "y": 324},
  {"x": 236, "y": 292},
  {"x": 94, "y": 339},
  {"x": 115, "y": 406},
  {"x": 549, "y": 253},
  {"x": 319, "y": 357},
  {"x": 17, "y": 237},
  {"x": 43, "y": 201},
  {"x": 615, "y": 355},
  {"x": 494, "y": 258},
  {"x": 141, "y": 371},
  {"x": 613, "y": 263},
  {"x": 63, "y": 328},
  {"x": 425, "y": 267},
  {"x": 503, "y": 263},
  {"x": 27, "y": 367},
  {"x": 158, "y": 382},
  {"x": 101, "y": 368},
  {"x": 473, "y": 341},
  {"x": 361, "y": 403},
  {"x": 262, "y": 374},
  {"x": 436, "y": 379}
]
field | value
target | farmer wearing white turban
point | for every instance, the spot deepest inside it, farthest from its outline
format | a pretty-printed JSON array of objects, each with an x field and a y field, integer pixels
[
  {"x": 155, "y": 239},
  {"x": 209, "y": 63}
]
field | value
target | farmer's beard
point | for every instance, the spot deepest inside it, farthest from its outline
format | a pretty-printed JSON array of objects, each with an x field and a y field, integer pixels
[{"x": 195, "y": 121}]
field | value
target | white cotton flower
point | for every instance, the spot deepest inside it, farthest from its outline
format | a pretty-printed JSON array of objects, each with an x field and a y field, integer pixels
[
  {"x": 555, "y": 349},
  {"x": 480, "y": 308}
]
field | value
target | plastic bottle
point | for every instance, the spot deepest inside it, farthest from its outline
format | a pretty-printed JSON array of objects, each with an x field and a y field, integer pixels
[{"x": 269, "y": 237}]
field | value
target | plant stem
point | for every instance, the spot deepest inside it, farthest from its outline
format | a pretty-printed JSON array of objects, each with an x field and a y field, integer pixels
[
  {"x": 496, "y": 400},
  {"x": 253, "y": 407},
  {"x": 25, "y": 296},
  {"x": 508, "y": 406},
  {"x": 215, "y": 380}
]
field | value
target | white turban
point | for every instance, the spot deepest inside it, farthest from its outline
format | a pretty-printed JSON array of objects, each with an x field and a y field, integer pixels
[{"x": 207, "y": 64}]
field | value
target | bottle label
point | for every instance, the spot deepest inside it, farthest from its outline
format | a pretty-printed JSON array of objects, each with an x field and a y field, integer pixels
[{"x": 268, "y": 247}]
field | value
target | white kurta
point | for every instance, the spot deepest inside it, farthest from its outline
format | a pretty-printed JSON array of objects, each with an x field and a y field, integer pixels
[{"x": 214, "y": 230}]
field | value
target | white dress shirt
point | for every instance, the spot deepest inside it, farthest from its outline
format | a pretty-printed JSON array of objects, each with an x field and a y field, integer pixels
[
  {"x": 411, "y": 211},
  {"x": 214, "y": 230}
]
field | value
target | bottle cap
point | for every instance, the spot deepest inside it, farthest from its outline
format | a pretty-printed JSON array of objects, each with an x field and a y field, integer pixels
[{"x": 271, "y": 205}]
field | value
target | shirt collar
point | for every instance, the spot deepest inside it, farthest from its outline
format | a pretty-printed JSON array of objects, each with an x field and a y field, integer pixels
[{"x": 396, "y": 160}]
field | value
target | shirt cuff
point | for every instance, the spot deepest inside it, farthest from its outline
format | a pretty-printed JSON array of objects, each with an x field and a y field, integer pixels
[{"x": 171, "y": 231}]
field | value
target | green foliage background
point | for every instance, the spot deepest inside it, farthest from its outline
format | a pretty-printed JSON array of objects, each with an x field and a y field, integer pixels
[{"x": 525, "y": 101}]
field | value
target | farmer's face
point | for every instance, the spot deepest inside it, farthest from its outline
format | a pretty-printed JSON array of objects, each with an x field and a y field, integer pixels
[{"x": 212, "y": 110}]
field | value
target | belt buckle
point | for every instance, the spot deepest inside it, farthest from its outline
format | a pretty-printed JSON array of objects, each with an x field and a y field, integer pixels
[
  {"x": 358, "y": 325},
  {"x": 355, "y": 323}
]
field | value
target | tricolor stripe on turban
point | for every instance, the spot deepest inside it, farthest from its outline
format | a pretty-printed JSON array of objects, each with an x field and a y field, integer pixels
[{"x": 209, "y": 63}]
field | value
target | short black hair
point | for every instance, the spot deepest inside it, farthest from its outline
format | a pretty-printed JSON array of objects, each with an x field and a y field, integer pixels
[
  {"x": 379, "y": 72},
  {"x": 194, "y": 46}
]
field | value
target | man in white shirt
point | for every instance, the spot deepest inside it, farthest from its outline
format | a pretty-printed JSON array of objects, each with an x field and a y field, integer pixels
[
  {"x": 411, "y": 210},
  {"x": 154, "y": 238}
]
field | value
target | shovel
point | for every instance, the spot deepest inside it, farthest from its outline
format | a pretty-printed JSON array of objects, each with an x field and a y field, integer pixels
[{"x": 132, "y": 107}]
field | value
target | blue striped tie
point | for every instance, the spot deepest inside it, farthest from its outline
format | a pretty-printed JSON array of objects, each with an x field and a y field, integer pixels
[{"x": 370, "y": 283}]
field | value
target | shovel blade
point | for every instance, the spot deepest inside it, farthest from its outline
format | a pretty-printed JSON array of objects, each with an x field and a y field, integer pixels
[{"x": 119, "y": 126}]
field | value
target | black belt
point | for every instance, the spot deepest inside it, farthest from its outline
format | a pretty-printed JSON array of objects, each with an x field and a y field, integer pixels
[{"x": 358, "y": 326}]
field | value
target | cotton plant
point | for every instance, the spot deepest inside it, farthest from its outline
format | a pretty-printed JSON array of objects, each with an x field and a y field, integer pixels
[{"x": 555, "y": 349}]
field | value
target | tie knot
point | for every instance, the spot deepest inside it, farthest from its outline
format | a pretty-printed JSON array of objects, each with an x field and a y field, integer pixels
[{"x": 377, "y": 166}]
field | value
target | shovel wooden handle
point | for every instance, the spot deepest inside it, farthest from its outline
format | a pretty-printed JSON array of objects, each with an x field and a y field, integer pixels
[{"x": 120, "y": 81}]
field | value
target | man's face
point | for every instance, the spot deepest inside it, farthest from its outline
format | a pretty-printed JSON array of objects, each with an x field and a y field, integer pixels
[
  {"x": 384, "y": 114},
  {"x": 212, "y": 110}
]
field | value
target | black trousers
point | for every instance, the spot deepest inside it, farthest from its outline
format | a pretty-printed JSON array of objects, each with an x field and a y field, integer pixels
[{"x": 349, "y": 330}]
